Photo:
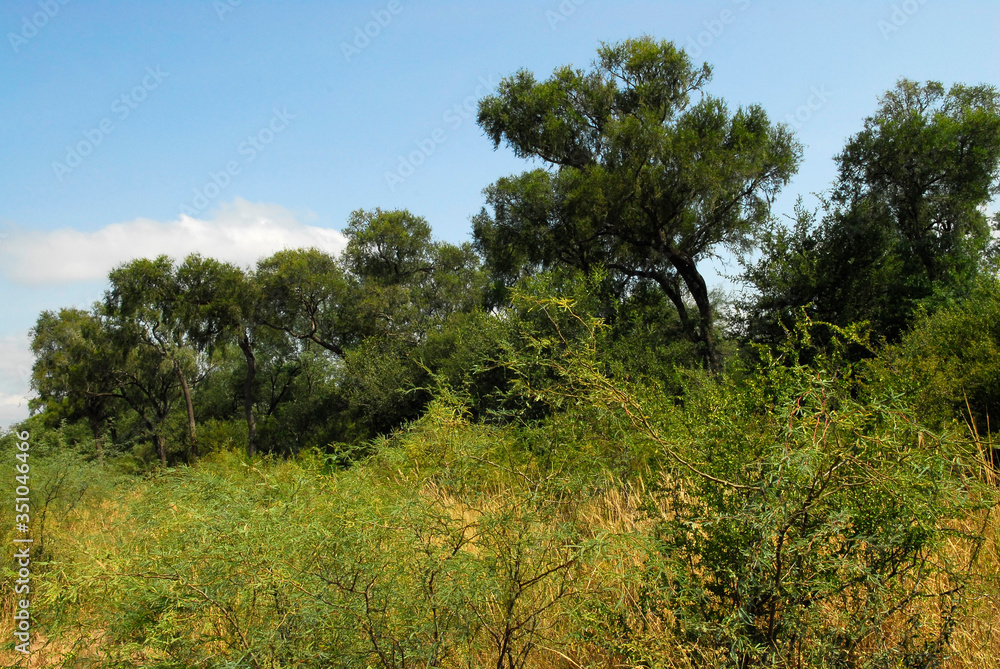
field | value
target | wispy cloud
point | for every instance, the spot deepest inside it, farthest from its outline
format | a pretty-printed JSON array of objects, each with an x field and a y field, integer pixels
[{"x": 239, "y": 232}]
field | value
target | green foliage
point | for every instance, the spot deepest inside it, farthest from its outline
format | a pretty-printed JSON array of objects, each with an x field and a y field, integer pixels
[
  {"x": 950, "y": 360},
  {"x": 278, "y": 565},
  {"x": 644, "y": 182},
  {"x": 219, "y": 435},
  {"x": 464, "y": 356},
  {"x": 72, "y": 372},
  {"x": 66, "y": 483},
  {"x": 305, "y": 293},
  {"x": 794, "y": 515},
  {"x": 809, "y": 527},
  {"x": 904, "y": 221},
  {"x": 381, "y": 385},
  {"x": 925, "y": 164},
  {"x": 536, "y": 472},
  {"x": 388, "y": 247}
]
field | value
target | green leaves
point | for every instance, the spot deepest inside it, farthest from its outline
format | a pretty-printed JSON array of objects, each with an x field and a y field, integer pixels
[
  {"x": 837, "y": 532},
  {"x": 641, "y": 181},
  {"x": 306, "y": 293},
  {"x": 790, "y": 511},
  {"x": 905, "y": 218}
]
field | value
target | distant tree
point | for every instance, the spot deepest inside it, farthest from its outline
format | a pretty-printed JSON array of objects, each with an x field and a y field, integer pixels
[
  {"x": 408, "y": 288},
  {"x": 146, "y": 308},
  {"x": 388, "y": 247},
  {"x": 641, "y": 178},
  {"x": 925, "y": 165},
  {"x": 405, "y": 281},
  {"x": 905, "y": 219},
  {"x": 148, "y": 382},
  {"x": 89, "y": 365},
  {"x": 220, "y": 306},
  {"x": 372, "y": 308},
  {"x": 73, "y": 372},
  {"x": 306, "y": 294}
]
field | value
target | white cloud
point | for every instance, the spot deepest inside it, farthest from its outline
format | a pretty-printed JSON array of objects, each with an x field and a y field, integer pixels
[
  {"x": 15, "y": 378},
  {"x": 13, "y": 409},
  {"x": 240, "y": 232}
]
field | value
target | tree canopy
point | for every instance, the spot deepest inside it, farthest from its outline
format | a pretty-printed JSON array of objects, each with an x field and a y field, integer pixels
[
  {"x": 646, "y": 176},
  {"x": 905, "y": 219}
]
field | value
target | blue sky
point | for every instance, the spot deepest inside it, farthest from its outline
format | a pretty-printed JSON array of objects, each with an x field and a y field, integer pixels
[{"x": 239, "y": 127}]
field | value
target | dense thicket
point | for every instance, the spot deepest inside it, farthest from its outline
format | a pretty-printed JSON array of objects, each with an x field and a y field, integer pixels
[{"x": 527, "y": 451}]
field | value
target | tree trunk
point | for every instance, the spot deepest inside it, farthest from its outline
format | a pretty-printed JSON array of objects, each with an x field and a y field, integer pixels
[
  {"x": 161, "y": 447},
  {"x": 248, "y": 394},
  {"x": 193, "y": 448},
  {"x": 668, "y": 284},
  {"x": 696, "y": 285},
  {"x": 161, "y": 441},
  {"x": 674, "y": 294},
  {"x": 95, "y": 427}
]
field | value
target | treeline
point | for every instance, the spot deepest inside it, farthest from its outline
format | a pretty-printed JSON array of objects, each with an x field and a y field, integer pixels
[
  {"x": 307, "y": 349},
  {"x": 644, "y": 177},
  {"x": 795, "y": 509}
]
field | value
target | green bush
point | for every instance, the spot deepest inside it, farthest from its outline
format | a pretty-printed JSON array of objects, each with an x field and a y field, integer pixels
[
  {"x": 810, "y": 524},
  {"x": 802, "y": 513},
  {"x": 950, "y": 360}
]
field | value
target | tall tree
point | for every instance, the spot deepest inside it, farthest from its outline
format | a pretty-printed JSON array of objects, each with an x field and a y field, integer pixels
[
  {"x": 923, "y": 166},
  {"x": 220, "y": 305},
  {"x": 640, "y": 178},
  {"x": 389, "y": 247},
  {"x": 146, "y": 380},
  {"x": 408, "y": 286},
  {"x": 85, "y": 362},
  {"x": 73, "y": 371},
  {"x": 306, "y": 294},
  {"x": 905, "y": 218},
  {"x": 146, "y": 304},
  {"x": 406, "y": 282}
]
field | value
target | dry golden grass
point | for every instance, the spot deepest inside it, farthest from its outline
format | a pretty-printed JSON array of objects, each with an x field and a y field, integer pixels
[
  {"x": 975, "y": 643},
  {"x": 621, "y": 512}
]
